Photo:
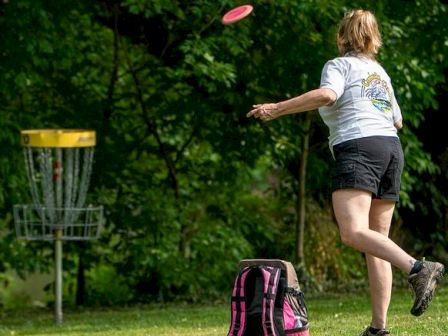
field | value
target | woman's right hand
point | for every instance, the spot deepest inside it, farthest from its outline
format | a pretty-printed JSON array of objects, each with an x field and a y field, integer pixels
[{"x": 264, "y": 112}]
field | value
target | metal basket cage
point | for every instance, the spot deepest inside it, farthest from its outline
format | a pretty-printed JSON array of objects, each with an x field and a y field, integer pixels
[{"x": 41, "y": 223}]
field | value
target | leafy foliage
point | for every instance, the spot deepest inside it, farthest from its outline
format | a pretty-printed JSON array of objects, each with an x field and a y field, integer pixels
[{"x": 190, "y": 185}]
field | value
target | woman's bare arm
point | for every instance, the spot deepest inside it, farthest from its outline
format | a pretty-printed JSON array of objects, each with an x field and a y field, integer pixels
[{"x": 308, "y": 101}]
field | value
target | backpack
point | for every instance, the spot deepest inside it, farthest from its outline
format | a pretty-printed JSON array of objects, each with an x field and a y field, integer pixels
[{"x": 267, "y": 301}]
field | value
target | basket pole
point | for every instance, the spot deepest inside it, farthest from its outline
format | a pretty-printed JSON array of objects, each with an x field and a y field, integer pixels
[{"x": 58, "y": 274}]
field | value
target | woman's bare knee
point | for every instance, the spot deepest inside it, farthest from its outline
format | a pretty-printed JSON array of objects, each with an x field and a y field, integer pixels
[{"x": 350, "y": 237}]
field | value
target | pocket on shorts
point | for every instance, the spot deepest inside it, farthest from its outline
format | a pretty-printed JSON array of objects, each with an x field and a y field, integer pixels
[
  {"x": 343, "y": 174},
  {"x": 346, "y": 167}
]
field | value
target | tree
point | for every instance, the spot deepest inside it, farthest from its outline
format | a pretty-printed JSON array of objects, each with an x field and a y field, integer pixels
[{"x": 190, "y": 185}]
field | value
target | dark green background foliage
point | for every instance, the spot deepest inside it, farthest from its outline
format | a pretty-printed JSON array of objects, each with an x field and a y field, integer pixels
[{"x": 189, "y": 184}]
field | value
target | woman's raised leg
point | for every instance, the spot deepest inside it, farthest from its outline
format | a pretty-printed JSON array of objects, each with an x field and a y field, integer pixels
[{"x": 352, "y": 211}]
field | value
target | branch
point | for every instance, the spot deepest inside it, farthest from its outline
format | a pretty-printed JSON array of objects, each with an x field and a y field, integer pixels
[
  {"x": 114, "y": 74},
  {"x": 185, "y": 145},
  {"x": 152, "y": 129}
]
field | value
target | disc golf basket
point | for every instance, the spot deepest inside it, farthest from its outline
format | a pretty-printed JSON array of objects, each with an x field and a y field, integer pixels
[{"x": 58, "y": 166}]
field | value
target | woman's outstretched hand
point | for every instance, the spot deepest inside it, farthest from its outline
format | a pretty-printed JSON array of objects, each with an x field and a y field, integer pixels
[{"x": 264, "y": 112}]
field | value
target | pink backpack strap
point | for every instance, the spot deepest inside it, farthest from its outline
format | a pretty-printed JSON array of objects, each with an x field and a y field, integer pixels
[
  {"x": 238, "y": 305},
  {"x": 271, "y": 277}
]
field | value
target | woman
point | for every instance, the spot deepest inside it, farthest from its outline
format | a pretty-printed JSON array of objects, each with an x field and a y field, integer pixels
[{"x": 357, "y": 103}]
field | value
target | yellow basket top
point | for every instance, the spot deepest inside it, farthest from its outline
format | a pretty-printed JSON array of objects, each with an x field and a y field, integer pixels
[{"x": 59, "y": 138}]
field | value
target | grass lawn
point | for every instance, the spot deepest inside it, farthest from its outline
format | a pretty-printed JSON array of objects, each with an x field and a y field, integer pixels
[{"x": 328, "y": 315}]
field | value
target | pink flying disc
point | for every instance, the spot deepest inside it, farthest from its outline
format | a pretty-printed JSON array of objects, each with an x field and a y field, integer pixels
[{"x": 236, "y": 14}]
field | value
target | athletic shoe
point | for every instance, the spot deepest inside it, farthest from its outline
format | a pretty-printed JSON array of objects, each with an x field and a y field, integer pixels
[
  {"x": 380, "y": 332},
  {"x": 423, "y": 283}
]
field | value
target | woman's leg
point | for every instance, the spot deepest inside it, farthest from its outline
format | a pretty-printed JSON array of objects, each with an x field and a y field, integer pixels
[
  {"x": 352, "y": 211},
  {"x": 380, "y": 271}
]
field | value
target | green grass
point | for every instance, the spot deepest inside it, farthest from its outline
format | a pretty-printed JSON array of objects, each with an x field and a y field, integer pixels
[{"x": 344, "y": 315}]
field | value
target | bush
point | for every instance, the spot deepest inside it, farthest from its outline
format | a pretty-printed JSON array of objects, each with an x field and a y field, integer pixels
[{"x": 105, "y": 287}]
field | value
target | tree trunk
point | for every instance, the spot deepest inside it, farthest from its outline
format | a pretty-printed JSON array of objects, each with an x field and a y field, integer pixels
[
  {"x": 301, "y": 196},
  {"x": 152, "y": 128}
]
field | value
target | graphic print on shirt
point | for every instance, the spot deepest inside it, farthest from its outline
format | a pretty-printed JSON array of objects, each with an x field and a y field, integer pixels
[{"x": 377, "y": 90}]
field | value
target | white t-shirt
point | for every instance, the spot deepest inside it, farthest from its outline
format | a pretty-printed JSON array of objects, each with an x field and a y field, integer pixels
[{"x": 365, "y": 105}]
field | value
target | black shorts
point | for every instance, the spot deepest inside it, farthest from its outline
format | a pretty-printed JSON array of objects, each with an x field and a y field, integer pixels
[{"x": 372, "y": 163}]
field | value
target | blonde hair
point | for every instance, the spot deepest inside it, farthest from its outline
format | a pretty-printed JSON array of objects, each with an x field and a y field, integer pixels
[{"x": 358, "y": 33}]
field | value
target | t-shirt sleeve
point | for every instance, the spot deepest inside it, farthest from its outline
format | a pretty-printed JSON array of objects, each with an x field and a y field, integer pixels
[
  {"x": 333, "y": 77},
  {"x": 396, "y": 111}
]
